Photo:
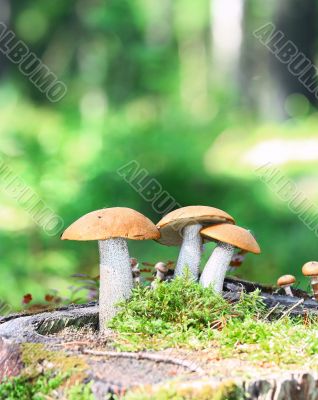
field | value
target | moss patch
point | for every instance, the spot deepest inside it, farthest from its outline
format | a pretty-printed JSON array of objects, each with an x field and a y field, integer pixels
[
  {"x": 182, "y": 314},
  {"x": 23, "y": 388},
  {"x": 80, "y": 392},
  {"x": 35, "y": 355},
  {"x": 44, "y": 371}
]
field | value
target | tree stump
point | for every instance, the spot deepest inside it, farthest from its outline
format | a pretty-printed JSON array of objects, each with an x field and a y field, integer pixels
[{"x": 112, "y": 373}]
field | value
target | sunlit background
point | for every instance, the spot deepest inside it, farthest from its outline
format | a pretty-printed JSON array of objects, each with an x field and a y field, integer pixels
[{"x": 184, "y": 88}]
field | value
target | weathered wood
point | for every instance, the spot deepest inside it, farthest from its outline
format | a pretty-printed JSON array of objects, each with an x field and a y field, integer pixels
[
  {"x": 234, "y": 287},
  {"x": 10, "y": 359},
  {"x": 296, "y": 386},
  {"x": 232, "y": 283},
  {"x": 147, "y": 356},
  {"x": 292, "y": 386},
  {"x": 26, "y": 313},
  {"x": 35, "y": 328}
]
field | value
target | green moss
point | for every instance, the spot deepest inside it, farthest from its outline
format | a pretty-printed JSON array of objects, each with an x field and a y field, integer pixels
[
  {"x": 226, "y": 391},
  {"x": 80, "y": 392},
  {"x": 44, "y": 371},
  {"x": 35, "y": 354},
  {"x": 23, "y": 388},
  {"x": 183, "y": 314},
  {"x": 40, "y": 388}
]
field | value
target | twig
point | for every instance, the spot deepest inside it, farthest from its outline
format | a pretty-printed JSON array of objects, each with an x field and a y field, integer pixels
[
  {"x": 272, "y": 310},
  {"x": 76, "y": 342},
  {"x": 146, "y": 356},
  {"x": 291, "y": 308}
]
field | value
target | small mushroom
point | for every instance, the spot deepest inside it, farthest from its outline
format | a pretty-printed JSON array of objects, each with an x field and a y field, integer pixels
[
  {"x": 285, "y": 282},
  {"x": 161, "y": 272},
  {"x": 135, "y": 270},
  {"x": 236, "y": 261},
  {"x": 227, "y": 237},
  {"x": 111, "y": 227},
  {"x": 182, "y": 227},
  {"x": 311, "y": 269}
]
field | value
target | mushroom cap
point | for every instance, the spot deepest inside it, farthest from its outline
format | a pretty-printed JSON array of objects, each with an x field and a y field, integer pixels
[
  {"x": 171, "y": 225},
  {"x": 114, "y": 222},
  {"x": 310, "y": 268},
  {"x": 162, "y": 267},
  {"x": 232, "y": 234},
  {"x": 286, "y": 280}
]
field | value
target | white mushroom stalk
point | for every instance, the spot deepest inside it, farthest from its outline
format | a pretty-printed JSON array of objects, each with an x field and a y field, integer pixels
[
  {"x": 288, "y": 290},
  {"x": 111, "y": 227},
  {"x": 183, "y": 227},
  {"x": 190, "y": 252},
  {"x": 116, "y": 280},
  {"x": 228, "y": 237},
  {"x": 214, "y": 272}
]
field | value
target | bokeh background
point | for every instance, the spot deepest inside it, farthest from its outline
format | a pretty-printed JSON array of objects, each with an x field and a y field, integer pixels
[{"x": 182, "y": 87}]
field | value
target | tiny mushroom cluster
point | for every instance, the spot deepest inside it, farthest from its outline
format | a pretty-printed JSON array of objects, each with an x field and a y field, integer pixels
[
  {"x": 310, "y": 270},
  {"x": 187, "y": 227}
]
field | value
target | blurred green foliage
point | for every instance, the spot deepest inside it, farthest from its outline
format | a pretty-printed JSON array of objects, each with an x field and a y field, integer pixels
[{"x": 142, "y": 85}]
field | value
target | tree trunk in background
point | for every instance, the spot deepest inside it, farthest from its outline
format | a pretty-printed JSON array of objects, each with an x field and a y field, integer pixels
[
  {"x": 5, "y": 11},
  {"x": 265, "y": 82},
  {"x": 297, "y": 20}
]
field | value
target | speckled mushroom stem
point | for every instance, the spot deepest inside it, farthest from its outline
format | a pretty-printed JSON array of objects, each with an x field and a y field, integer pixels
[
  {"x": 288, "y": 290},
  {"x": 215, "y": 269},
  {"x": 116, "y": 280},
  {"x": 190, "y": 252},
  {"x": 314, "y": 285}
]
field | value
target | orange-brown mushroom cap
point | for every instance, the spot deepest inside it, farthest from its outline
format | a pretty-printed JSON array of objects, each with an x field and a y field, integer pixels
[
  {"x": 171, "y": 225},
  {"x": 114, "y": 222},
  {"x": 232, "y": 234},
  {"x": 286, "y": 280},
  {"x": 310, "y": 268}
]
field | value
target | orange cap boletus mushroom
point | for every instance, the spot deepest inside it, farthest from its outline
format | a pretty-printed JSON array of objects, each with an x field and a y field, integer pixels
[
  {"x": 182, "y": 227},
  {"x": 311, "y": 269},
  {"x": 228, "y": 237},
  {"x": 285, "y": 282},
  {"x": 111, "y": 227}
]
